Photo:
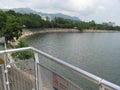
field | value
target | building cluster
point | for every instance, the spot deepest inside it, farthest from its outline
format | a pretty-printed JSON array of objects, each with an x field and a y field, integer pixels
[
  {"x": 109, "y": 23},
  {"x": 46, "y": 18}
]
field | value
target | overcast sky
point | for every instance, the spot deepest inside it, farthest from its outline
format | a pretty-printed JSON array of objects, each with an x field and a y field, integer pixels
[{"x": 86, "y": 10}]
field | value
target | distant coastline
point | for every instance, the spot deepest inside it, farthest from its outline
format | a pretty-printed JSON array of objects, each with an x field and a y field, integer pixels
[
  {"x": 99, "y": 31},
  {"x": 28, "y": 32}
]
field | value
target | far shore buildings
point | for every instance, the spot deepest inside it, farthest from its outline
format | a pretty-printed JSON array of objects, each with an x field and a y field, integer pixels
[
  {"x": 46, "y": 18},
  {"x": 109, "y": 23}
]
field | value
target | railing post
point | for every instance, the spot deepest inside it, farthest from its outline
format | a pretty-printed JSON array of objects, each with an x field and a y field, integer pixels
[
  {"x": 101, "y": 88},
  {"x": 4, "y": 79},
  {"x": 38, "y": 73},
  {"x": 7, "y": 86}
]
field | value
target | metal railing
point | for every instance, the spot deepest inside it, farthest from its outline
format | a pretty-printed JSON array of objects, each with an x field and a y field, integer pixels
[{"x": 39, "y": 81}]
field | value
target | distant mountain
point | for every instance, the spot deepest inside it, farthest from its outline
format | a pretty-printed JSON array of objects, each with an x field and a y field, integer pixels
[
  {"x": 28, "y": 11},
  {"x": 64, "y": 16},
  {"x": 24, "y": 10}
]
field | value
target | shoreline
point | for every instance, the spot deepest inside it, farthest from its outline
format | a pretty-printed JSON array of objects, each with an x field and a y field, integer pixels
[{"x": 29, "y": 32}]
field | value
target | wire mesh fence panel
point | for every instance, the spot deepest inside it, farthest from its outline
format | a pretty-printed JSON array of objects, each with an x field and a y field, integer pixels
[
  {"x": 53, "y": 81},
  {"x": 1, "y": 78},
  {"x": 46, "y": 77},
  {"x": 22, "y": 75},
  {"x": 73, "y": 87},
  {"x": 75, "y": 82}
]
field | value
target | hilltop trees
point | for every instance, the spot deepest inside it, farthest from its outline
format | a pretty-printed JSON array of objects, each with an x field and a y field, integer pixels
[
  {"x": 31, "y": 20},
  {"x": 63, "y": 23}
]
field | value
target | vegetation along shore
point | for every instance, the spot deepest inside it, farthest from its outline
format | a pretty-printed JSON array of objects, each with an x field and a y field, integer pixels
[{"x": 14, "y": 26}]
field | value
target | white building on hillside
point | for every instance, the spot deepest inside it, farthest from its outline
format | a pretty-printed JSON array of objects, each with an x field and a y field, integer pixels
[{"x": 46, "y": 18}]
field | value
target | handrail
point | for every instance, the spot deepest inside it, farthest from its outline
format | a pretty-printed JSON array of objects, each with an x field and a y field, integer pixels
[{"x": 95, "y": 79}]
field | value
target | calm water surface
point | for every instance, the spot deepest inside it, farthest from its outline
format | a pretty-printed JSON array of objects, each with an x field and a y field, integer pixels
[{"x": 97, "y": 53}]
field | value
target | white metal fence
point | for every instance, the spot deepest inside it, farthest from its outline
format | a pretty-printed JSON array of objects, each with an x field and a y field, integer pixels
[
  {"x": 1, "y": 77},
  {"x": 20, "y": 76},
  {"x": 46, "y": 72}
]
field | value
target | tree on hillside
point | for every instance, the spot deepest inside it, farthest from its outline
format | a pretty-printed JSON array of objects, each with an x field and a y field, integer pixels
[
  {"x": 63, "y": 23},
  {"x": 13, "y": 28},
  {"x": 3, "y": 20},
  {"x": 31, "y": 20},
  {"x": 11, "y": 12},
  {"x": 24, "y": 54},
  {"x": 10, "y": 26}
]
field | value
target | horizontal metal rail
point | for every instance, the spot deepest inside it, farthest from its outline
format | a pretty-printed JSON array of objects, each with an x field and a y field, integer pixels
[{"x": 95, "y": 79}]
